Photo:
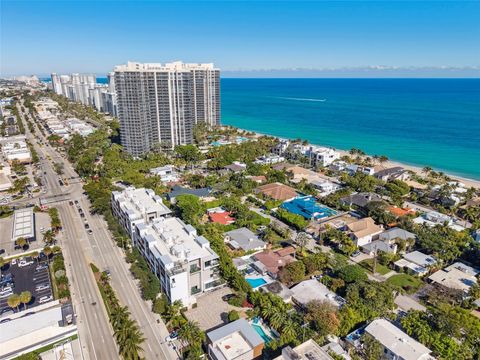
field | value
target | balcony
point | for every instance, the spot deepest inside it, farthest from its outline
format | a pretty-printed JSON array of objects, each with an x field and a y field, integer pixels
[
  {"x": 194, "y": 268},
  {"x": 195, "y": 290}
]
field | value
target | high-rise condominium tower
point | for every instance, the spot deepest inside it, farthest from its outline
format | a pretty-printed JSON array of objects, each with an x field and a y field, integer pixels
[{"x": 160, "y": 104}]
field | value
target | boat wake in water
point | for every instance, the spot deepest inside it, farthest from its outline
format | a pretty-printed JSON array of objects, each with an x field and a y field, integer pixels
[{"x": 302, "y": 99}]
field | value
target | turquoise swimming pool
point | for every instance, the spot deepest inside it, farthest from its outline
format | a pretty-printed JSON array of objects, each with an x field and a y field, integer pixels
[
  {"x": 256, "y": 282},
  {"x": 260, "y": 331}
]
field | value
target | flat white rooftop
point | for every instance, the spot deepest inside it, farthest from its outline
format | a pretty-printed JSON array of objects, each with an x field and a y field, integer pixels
[
  {"x": 171, "y": 238},
  {"x": 23, "y": 224},
  {"x": 140, "y": 202},
  {"x": 174, "y": 66}
]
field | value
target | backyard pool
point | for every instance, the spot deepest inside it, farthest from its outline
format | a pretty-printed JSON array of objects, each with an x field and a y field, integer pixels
[
  {"x": 259, "y": 329},
  {"x": 256, "y": 282}
]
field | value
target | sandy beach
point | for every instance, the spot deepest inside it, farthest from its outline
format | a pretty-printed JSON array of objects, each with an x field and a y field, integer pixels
[{"x": 388, "y": 164}]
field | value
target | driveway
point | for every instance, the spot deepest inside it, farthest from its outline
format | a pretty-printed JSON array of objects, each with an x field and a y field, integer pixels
[{"x": 211, "y": 310}]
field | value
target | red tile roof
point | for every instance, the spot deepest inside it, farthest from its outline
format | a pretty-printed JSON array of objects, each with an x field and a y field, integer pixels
[{"x": 223, "y": 218}]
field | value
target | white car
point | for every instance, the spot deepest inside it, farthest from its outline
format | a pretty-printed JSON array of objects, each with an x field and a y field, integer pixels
[
  {"x": 45, "y": 299},
  {"x": 42, "y": 287},
  {"x": 14, "y": 262},
  {"x": 23, "y": 263}
]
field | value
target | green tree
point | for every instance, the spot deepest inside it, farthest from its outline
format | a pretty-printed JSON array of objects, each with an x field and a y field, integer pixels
[
  {"x": 21, "y": 241},
  {"x": 323, "y": 315},
  {"x": 372, "y": 349},
  {"x": 233, "y": 315},
  {"x": 25, "y": 298},
  {"x": 292, "y": 273},
  {"x": 14, "y": 301},
  {"x": 190, "y": 208},
  {"x": 352, "y": 274}
]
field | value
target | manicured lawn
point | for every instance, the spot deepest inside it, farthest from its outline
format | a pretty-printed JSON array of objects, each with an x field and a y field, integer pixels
[
  {"x": 380, "y": 269},
  {"x": 407, "y": 282}
]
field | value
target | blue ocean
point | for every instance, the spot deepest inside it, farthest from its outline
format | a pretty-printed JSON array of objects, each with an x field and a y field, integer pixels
[{"x": 434, "y": 122}]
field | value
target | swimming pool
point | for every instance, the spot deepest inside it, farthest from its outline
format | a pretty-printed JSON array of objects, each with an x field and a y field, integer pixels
[
  {"x": 259, "y": 329},
  {"x": 256, "y": 282}
]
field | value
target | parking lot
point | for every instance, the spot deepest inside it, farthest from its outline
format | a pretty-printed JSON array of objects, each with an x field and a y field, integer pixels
[{"x": 33, "y": 277}]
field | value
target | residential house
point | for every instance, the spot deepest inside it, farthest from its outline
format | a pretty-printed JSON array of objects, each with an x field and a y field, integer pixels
[
  {"x": 234, "y": 341},
  {"x": 260, "y": 179},
  {"x": 377, "y": 246},
  {"x": 457, "y": 276},
  {"x": 220, "y": 216},
  {"x": 312, "y": 289},
  {"x": 360, "y": 200},
  {"x": 272, "y": 261},
  {"x": 309, "y": 350},
  {"x": 321, "y": 156},
  {"x": 281, "y": 147},
  {"x": 277, "y": 191},
  {"x": 393, "y": 234},
  {"x": 394, "y": 173},
  {"x": 203, "y": 193},
  {"x": 397, "y": 345},
  {"x": 363, "y": 231},
  {"x": 416, "y": 263},
  {"x": 166, "y": 173},
  {"x": 236, "y": 167},
  {"x": 243, "y": 239},
  {"x": 269, "y": 160},
  {"x": 325, "y": 187}
]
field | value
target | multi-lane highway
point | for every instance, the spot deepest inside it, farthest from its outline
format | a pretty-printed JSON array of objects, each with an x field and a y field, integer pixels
[{"x": 80, "y": 249}]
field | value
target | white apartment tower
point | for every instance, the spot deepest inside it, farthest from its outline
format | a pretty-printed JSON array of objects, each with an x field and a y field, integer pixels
[{"x": 160, "y": 104}]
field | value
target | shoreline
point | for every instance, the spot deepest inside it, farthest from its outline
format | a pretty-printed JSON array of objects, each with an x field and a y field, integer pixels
[{"x": 388, "y": 164}]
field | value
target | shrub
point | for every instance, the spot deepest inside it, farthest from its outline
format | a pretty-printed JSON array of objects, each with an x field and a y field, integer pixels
[{"x": 233, "y": 315}]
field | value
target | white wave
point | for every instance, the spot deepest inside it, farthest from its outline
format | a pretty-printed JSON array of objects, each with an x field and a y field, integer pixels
[{"x": 302, "y": 99}]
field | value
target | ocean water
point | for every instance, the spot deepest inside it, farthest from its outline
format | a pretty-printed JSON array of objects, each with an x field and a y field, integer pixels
[{"x": 434, "y": 122}]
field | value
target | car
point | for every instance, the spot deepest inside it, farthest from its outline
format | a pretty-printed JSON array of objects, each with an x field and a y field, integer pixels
[
  {"x": 24, "y": 263},
  {"x": 107, "y": 272},
  {"x": 86, "y": 226},
  {"x": 41, "y": 287},
  {"x": 45, "y": 299},
  {"x": 89, "y": 231},
  {"x": 82, "y": 215},
  {"x": 41, "y": 267},
  {"x": 356, "y": 253},
  {"x": 2, "y": 251},
  {"x": 14, "y": 262},
  {"x": 172, "y": 336},
  {"x": 76, "y": 201},
  {"x": 228, "y": 297},
  {"x": 6, "y": 294},
  {"x": 60, "y": 182},
  {"x": 70, "y": 202}
]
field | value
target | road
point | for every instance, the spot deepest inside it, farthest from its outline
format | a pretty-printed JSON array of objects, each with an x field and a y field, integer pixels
[{"x": 101, "y": 249}]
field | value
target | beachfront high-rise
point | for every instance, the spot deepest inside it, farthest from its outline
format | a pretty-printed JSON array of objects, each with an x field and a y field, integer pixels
[{"x": 161, "y": 104}]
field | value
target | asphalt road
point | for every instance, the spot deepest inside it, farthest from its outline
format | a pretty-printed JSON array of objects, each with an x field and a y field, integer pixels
[{"x": 99, "y": 247}]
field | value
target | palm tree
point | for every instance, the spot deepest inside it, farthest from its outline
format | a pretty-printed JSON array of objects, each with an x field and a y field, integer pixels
[
  {"x": 426, "y": 170},
  {"x": 382, "y": 159},
  {"x": 49, "y": 237},
  {"x": 35, "y": 255},
  {"x": 14, "y": 301},
  {"x": 288, "y": 330},
  {"x": 277, "y": 320},
  {"x": 131, "y": 348},
  {"x": 25, "y": 297},
  {"x": 122, "y": 332},
  {"x": 47, "y": 250},
  {"x": 268, "y": 310},
  {"x": 119, "y": 316},
  {"x": 21, "y": 241},
  {"x": 191, "y": 334}
]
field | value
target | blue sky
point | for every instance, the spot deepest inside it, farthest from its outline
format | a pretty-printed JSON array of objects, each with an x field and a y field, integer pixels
[{"x": 80, "y": 36}]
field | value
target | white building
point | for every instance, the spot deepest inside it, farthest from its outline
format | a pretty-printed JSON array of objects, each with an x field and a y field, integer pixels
[
  {"x": 16, "y": 150},
  {"x": 457, "y": 276},
  {"x": 396, "y": 343},
  {"x": 166, "y": 173},
  {"x": 321, "y": 156},
  {"x": 309, "y": 350},
  {"x": 132, "y": 206},
  {"x": 325, "y": 187},
  {"x": 269, "y": 160},
  {"x": 48, "y": 324},
  {"x": 181, "y": 259}
]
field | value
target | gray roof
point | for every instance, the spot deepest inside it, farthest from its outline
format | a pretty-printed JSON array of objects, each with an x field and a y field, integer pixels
[
  {"x": 245, "y": 239},
  {"x": 397, "y": 170},
  {"x": 240, "y": 325},
  {"x": 180, "y": 190},
  {"x": 420, "y": 258},
  {"x": 379, "y": 246},
  {"x": 360, "y": 199},
  {"x": 396, "y": 233}
]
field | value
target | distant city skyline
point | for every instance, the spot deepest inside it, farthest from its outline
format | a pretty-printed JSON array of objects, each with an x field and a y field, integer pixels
[{"x": 245, "y": 39}]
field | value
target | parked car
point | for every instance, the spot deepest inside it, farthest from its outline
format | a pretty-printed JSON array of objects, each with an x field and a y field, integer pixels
[
  {"x": 356, "y": 253},
  {"x": 14, "y": 262},
  {"x": 86, "y": 226},
  {"x": 172, "y": 336},
  {"x": 42, "y": 287},
  {"x": 70, "y": 202},
  {"x": 24, "y": 262},
  {"x": 45, "y": 299}
]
